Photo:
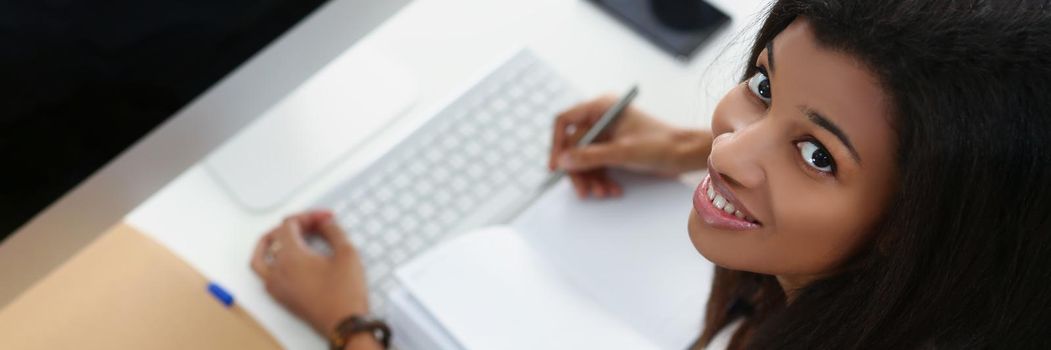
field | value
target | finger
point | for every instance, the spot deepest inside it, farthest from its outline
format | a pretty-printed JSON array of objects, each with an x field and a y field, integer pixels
[
  {"x": 558, "y": 139},
  {"x": 582, "y": 116},
  {"x": 580, "y": 185},
  {"x": 556, "y": 142},
  {"x": 613, "y": 187},
  {"x": 594, "y": 156},
  {"x": 590, "y": 181},
  {"x": 609, "y": 186},
  {"x": 290, "y": 234},
  {"x": 310, "y": 221},
  {"x": 336, "y": 237},
  {"x": 258, "y": 262},
  {"x": 597, "y": 186}
]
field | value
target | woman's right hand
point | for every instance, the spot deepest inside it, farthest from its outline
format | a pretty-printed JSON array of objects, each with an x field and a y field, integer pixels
[{"x": 637, "y": 141}]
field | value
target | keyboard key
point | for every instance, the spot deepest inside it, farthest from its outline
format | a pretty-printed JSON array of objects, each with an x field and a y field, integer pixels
[
  {"x": 375, "y": 297},
  {"x": 506, "y": 122},
  {"x": 340, "y": 208},
  {"x": 440, "y": 174},
  {"x": 384, "y": 194},
  {"x": 406, "y": 199},
  {"x": 398, "y": 255},
  {"x": 372, "y": 227},
  {"x": 538, "y": 97},
  {"x": 391, "y": 237},
  {"x": 425, "y": 210},
  {"x": 433, "y": 155},
  {"x": 499, "y": 177},
  {"x": 513, "y": 165},
  {"x": 376, "y": 270},
  {"x": 516, "y": 92},
  {"x": 389, "y": 213},
  {"x": 349, "y": 220},
  {"x": 431, "y": 230},
  {"x": 400, "y": 181},
  {"x": 473, "y": 149},
  {"x": 386, "y": 285},
  {"x": 459, "y": 184},
  {"x": 442, "y": 198},
  {"x": 423, "y": 187},
  {"x": 484, "y": 117},
  {"x": 417, "y": 167},
  {"x": 448, "y": 217},
  {"x": 490, "y": 137},
  {"x": 491, "y": 159},
  {"x": 532, "y": 177},
  {"x": 466, "y": 203},
  {"x": 367, "y": 206},
  {"x": 372, "y": 250},
  {"x": 482, "y": 190},
  {"x": 449, "y": 143},
  {"x": 476, "y": 170},
  {"x": 414, "y": 244},
  {"x": 498, "y": 105},
  {"x": 409, "y": 224},
  {"x": 457, "y": 161}
]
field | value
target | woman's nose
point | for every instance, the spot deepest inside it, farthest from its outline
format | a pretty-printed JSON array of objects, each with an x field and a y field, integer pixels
[{"x": 739, "y": 155}]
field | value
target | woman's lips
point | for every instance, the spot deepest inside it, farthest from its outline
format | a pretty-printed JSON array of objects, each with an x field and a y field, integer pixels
[{"x": 715, "y": 216}]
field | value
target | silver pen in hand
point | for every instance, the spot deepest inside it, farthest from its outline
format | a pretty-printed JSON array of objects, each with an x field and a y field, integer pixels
[
  {"x": 608, "y": 118},
  {"x": 603, "y": 123}
]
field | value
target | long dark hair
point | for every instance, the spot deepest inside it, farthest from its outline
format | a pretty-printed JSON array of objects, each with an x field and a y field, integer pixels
[{"x": 962, "y": 257}]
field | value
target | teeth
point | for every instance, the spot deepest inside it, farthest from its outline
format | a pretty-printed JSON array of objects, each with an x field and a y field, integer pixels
[
  {"x": 719, "y": 201},
  {"x": 729, "y": 208}
]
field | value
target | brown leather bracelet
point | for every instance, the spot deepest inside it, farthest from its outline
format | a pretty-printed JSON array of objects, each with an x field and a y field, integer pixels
[{"x": 355, "y": 324}]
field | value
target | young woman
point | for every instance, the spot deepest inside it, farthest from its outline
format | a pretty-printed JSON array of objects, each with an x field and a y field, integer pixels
[{"x": 881, "y": 178}]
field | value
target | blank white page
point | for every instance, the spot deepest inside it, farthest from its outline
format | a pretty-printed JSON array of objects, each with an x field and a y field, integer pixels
[
  {"x": 489, "y": 290},
  {"x": 630, "y": 255}
]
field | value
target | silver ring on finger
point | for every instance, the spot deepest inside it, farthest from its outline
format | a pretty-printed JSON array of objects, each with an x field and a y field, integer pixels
[{"x": 271, "y": 252}]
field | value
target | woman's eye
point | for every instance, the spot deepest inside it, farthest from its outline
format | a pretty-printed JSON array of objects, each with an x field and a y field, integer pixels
[
  {"x": 816, "y": 156},
  {"x": 760, "y": 86}
]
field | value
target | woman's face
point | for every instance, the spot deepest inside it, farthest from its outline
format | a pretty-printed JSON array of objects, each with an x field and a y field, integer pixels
[{"x": 801, "y": 167}]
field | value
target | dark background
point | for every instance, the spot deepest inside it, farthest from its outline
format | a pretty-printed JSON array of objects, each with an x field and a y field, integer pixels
[{"x": 83, "y": 80}]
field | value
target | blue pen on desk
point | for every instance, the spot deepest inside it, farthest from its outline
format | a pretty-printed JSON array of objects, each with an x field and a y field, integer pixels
[{"x": 221, "y": 294}]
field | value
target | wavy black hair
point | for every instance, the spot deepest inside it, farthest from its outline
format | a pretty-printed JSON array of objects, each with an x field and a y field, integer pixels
[{"x": 962, "y": 257}]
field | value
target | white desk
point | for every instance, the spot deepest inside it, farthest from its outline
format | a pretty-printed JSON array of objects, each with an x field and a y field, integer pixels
[{"x": 444, "y": 43}]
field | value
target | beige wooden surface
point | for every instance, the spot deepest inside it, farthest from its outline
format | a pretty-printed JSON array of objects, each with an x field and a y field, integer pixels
[{"x": 125, "y": 291}]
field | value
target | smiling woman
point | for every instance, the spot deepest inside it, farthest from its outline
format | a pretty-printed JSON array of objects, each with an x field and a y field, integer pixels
[
  {"x": 893, "y": 168},
  {"x": 775, "y": 159}
]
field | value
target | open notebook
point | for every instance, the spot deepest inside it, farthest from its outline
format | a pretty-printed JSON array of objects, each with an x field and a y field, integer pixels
[{"x": 567, "y": 274}]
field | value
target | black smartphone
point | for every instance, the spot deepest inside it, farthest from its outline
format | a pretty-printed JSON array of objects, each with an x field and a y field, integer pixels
[{"x": 679, "y": 27}]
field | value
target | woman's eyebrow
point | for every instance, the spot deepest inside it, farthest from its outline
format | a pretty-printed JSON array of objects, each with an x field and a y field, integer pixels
[
  {"x": 770, "y": 55},
  {"x": 816, "y": 118}
]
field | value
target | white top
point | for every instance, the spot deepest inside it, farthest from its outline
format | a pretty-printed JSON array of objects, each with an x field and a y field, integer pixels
[{"x": 722, "y": 339}]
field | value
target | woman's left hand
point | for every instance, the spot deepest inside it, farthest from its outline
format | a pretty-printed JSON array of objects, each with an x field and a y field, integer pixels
[{"x": 320, "y": 289}]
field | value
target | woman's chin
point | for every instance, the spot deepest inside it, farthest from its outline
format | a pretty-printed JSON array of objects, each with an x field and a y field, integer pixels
[
  {"x": 704, "y": 241},
  {"x": 697, "y": 235}
]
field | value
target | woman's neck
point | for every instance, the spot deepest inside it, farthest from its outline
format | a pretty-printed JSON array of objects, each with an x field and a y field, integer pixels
[{"x": 791, "y": 284}]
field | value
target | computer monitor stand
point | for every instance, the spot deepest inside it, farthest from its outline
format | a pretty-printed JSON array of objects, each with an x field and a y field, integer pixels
[{"x": 310, "y": 129}]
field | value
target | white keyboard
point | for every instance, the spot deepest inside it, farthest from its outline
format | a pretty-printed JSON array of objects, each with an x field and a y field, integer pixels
[{"x": 477, "y": 162}]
